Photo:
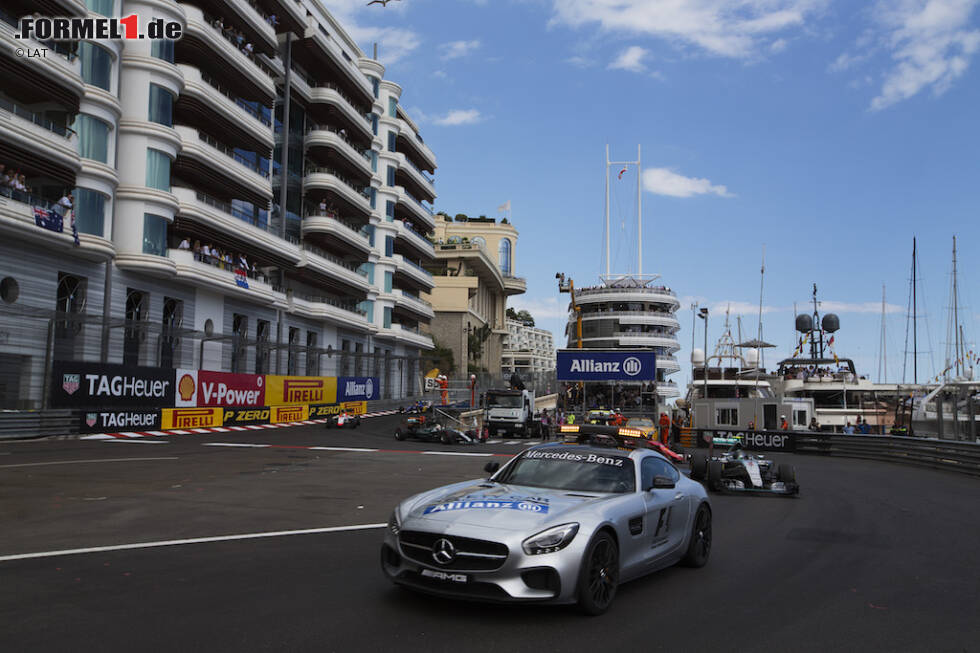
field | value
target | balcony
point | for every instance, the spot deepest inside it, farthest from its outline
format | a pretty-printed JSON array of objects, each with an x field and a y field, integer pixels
[
  {"x": 406, "y": 334},
  {"x": 514, "y": 285},
  {"x": 328, "y": 308},
  {"x": 326, "y": 264},
  {"x": 343, "y": 233},
  {"x": 257, "y": 22},
  {"x": 664, "y": 319},
  {"x": 56, "y": 75},
  {"x": 419, "y": 178},
  {"x": 327, "y": 136},
  {"x": 414, "y": 272},
  {"x": 47, "y": 147},
  {"x": 596, "y": 294},
  {"x": 628, "y": 339},
  {"x": 407, "y": 135},
  {"x": 325, "y": 178},
  {"x": 416, "y": 305},
  {"x": 209, "y": 161},
  {"x": 415, "y": 208},
  {"x": 317, "y": 50},
  {"x": 415, "y": 240},
  {"x": 215, "y": 277},
  {"x": 668, "y": 389},
  {"x": 331, "y": 94},
  {"x": 208, "y": 102},
  {"x": 17, "y": 225}
]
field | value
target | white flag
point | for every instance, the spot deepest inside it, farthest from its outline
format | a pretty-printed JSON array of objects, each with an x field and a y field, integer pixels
[{"x": 504, "y": 207}]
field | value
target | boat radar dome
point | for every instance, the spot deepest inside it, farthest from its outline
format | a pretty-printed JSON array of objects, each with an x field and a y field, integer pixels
[
  {"x": 697, "y": 357},
  {"x": 804, "y": 323},
  {"x": 752, "y": 357},
  {"x": 830, "y": 323}
]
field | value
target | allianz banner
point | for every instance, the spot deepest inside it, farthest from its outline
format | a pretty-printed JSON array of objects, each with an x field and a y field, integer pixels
[
  {"x": 606, "y": 365},
  {"x": 300, "y": 390},
  {"x": 358, "y": 388},
  {"x": 98, "y": 385}
]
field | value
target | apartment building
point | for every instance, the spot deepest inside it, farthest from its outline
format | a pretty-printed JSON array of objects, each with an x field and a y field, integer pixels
[
  {"x": 527, "y": 349},
  {"x": 474, "y": 274},
  {"x": 250, "y": 198}
]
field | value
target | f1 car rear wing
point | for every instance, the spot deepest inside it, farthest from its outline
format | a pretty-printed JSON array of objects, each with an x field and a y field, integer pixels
[{"x": 600, "y": 434}]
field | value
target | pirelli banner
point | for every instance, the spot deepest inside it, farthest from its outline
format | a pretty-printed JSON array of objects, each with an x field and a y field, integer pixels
[
  {"x": 192, "y": 418},
  {"x": 97, "y": 385},
  {"x": 287, "y": 390}
]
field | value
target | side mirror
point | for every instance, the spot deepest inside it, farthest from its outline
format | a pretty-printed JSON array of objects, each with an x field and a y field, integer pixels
[
  {"x": 491, "y": 467},
  {"x": 661, "y": 483}
]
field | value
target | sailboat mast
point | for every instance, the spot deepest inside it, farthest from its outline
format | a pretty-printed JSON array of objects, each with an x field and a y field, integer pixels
[
  {"x": 956, "y": 315},
  {"x": 639, "y": 213},
  {"x": 915, "y": 322},
  {"x": 607, "y": 210},
  {"x": 883, "y": 361}
]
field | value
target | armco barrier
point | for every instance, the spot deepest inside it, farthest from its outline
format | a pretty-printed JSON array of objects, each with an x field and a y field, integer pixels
[{"x": 949, "y": 455}]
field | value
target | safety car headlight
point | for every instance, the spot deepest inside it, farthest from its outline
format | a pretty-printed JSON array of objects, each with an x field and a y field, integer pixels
[
  {"x": 551, "y": 540},
  {"x": 394, "y": 524}
]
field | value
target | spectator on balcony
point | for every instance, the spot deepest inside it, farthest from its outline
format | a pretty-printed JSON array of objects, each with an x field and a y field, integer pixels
[
  {"x": 206, "y": 253},
  {"x": 239, "y": 37},
  {"x": 273, "y": 20},
  {"x": 249, "y": 50},
  {"x": 63, "y": 207},
  {"x": 197, "y": 250},
  {"x": 332, "y": 210},
  {"x": 322, "y": 207},
  {"x": 4, "y": 177},
  {"x": 185, "y": 243},
  {"x": 243, "y": 263}
]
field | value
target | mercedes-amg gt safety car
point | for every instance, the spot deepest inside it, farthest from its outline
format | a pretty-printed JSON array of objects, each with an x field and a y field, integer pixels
[
  {"x": 736, "y": 470},
  {"x": 558, "y": 523}
]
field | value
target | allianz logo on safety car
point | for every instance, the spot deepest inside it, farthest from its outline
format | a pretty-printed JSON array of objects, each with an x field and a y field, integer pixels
[
  {"x": 526, "y": 506},
  {"x": 631, "y": 366}
]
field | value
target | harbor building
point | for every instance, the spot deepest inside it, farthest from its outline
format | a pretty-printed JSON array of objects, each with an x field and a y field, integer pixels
[{"x": 527, "y": 349}]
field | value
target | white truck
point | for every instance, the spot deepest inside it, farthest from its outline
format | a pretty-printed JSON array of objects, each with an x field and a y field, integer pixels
[{"x": 511, "y": 411}]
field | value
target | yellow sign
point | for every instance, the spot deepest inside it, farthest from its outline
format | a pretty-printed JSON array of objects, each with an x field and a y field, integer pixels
[
  {"x": 191, "y": 418},
  {"x": 300, "y": 389},
  {"x": 354, "y": 407},
  {"x": 295, "y": 413}
]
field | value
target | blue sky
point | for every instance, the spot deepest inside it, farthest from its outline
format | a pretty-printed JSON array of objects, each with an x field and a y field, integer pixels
[{"x": 830, "y": 131}]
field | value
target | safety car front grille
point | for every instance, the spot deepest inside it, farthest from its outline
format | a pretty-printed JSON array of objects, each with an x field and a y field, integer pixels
[{"x": 471, "y": 554}]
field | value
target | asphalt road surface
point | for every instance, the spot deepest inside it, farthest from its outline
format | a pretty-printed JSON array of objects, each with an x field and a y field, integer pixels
[{"x": 871, "y": 557}]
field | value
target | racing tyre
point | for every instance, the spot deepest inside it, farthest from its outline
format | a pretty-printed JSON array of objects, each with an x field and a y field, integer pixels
[
  {"x": 699, "y": 548},
  {"x": 786, "y": 474},
  {"x": 399, "y": 435},
  {"x": 714, "y": 474},
  {"x": 599, "y": 577},
  {"x": 699, "y": 465},
  {"x": 445, "y": 437}
]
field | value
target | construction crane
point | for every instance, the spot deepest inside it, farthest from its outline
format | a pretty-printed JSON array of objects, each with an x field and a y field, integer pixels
[{"x": 569, "y": 287}]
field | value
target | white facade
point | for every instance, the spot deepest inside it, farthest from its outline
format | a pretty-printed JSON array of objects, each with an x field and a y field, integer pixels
[
  {"x": 527, "y": 349},
  {"x": 163, "y": 142}
]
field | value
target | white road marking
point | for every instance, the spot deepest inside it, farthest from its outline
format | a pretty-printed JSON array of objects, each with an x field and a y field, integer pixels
[
  {"x": 94, "y": 460},
  {"x": 131, "y": 434},
  {"x": 454, "y": 453},
  {"x": 158, "y": 433},
  {"x": 134, "y": 441},
  {"x": 199, "y": 431},
  {"x": 342, "y": 449},
  {"x": 234, "y": 444},
  {"x": 100, "y": 436},
  {"x": 195, "y": 540},
  {"x": 181, "y": 432},
  {"x": 220, "y": 429}
]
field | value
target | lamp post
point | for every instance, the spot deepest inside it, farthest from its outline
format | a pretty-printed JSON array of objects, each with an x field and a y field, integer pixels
[{"x": 703, "y": 314}]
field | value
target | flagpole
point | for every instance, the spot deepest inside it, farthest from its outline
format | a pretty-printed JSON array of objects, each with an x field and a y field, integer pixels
[
  {"x": 607, "y": 210},
  {"x": 639, "y": 213}
]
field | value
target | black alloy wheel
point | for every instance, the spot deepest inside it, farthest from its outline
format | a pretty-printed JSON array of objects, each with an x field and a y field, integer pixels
[
  {"x": 699, "y": 547},
  {"x": 599, "y": 578}
]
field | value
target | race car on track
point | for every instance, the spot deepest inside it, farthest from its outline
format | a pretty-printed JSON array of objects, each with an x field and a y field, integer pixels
[
  {"x": 645, "y": 428},
  {"x": 739, "y": 471},
  {"x": 563, "y": 522},
  {"x": 426, "y": 425},
  {"x": 343, "y": 421}
]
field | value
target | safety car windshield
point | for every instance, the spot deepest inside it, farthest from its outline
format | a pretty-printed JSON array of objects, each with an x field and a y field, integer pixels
[
  {"x": 640, "y": 422},
  {"x": 571, "y": 469}
]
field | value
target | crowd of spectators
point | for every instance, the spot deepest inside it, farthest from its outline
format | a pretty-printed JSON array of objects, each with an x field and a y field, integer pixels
[
  {"x": 805, "y": 372},
  {"x": 629, "y": 397},
  {"x": 224, "y": 259},
  {"x": 13, "y": 184},
  {"x": 12, "y": 181},
  {"x": 236, "y": 36}
]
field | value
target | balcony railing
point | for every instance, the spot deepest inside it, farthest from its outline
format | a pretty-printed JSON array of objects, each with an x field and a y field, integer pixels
[
  {"x": 417, "y": 267},
  {"x": 660, "y": 290},
  {"x": 37, "y": 119},
  {"x": 229, "y": 209},
  {"x": 217, "y": 25},
  {"x": 414, "y": 298},
  {"x": 346, "y": 306},
  {"x": 343, "y": 94},
  {"x": 344, "y": 179},
  {"x": 256, "y": 113},
  {"x": 419, "y": 170},
  {"x": 342, "y": 135},
  {"x": 419, "y": 202},
  {"x": 224, "y": 149},
  {"x": 27, "y": 198},
  {"x": 334, "y": 259},
  {"x": 343, "y": 223}
]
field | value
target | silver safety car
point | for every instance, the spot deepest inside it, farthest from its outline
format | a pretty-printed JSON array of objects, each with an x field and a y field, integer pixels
[{"x": 565, "y": 522}]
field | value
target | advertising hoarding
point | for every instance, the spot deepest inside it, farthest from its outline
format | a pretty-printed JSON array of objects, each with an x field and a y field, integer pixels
[
  {"x": 606, "y": 365},
  {"x": 105, "y": 385},
  {"x": 281, "y": 390}
]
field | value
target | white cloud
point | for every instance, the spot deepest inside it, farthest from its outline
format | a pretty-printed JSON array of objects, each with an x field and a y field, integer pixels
[
  {"x": 457, "y": 49},
  {"x": 394, "y": 43},
  {"x": 727, "y": 28},
  {"x": 858, "y": 307},
  {"x": 459, "y": 117},
  {"x": 441, "y": 74},
  {"x": 931, "y": 43},
  {"x": 631, "y": 59},
  {"x": 581, "y": 62},
  {"x": 778, "y": 45},
  {"x": 663, "y": 181},
  {"x": 738, "y": 307}
]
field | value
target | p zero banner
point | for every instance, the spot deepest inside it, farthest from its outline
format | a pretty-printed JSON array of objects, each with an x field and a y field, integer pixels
[
  {"x": 246, "y": 416},
  {"x": 281, "y": 390},
  {"x": 606, "y": 365},
  {"x": 208, "y": 388},
  {"x": 358, "y": 388},
  {"x": 294, "y": 413},
  {"x": 98, "y": 385},
  {"x": 192, "y": 418},
  {"x": 326, "y": 410},
  {"x": 751, "y": 440},
  {"x": 119, "y": 420}
]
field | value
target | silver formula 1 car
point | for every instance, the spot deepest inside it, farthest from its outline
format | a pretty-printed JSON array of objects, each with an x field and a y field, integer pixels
[
  {"x": 736, "y": 470},
  {"x": 558, "y": 523}
]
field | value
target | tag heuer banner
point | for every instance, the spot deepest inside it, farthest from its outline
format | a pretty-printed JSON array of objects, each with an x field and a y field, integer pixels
[
  {"x": 606, "y": 365},
  {"x": 98, "y": 385}
]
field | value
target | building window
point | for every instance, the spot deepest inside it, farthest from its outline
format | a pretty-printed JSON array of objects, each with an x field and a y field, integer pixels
[
  {"x": 173, "y": 319},
  {"x": 388, "y": 279},
  {"x": 103, "y": 7},
  {"x": 239, "y": 329},
  {"x": 93, "y": 138},
  {"x": 392, "y": 141},
  {"x": 374, "y": 124},
  {"x": 154, "y": 234},
  {"x": 368, "y": 307},
  {"x": 162, "y": 49},
  {"x": 157, "y": 170},
  {"x": 96, "y": 64},
  {"x": 89, "y": 211},
  {"x": 376, "y": 86},
  {"x": 505, "y": 256},
  {"x": 292, "y": 361},
  {"x": 368, "y": 230},
  {"x": 392, "y": 106},
  {"x": 389, "y": 211},
  {"x": 262, "y": 330},
  {"x": 374, "y": 160},
  {"x": 69, "y": 303},
  {"x": 387, "y": 318},
  {"x": 799, "y": 418},
  {"x": 391, "y": 175},
  {"x": 368, "y": 269},
  {"x": 389, "y": 245},
  {"x": 161, "y": 106},
  {"x": 373, "y": 196},
  {"x": 137, "y": 311},
  {"x": 726, "y": 416},
  {"x": 312, "y": 357}
]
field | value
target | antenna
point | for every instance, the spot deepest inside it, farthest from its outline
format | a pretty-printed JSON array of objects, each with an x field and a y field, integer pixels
[
  {"x": 883, "y": 360},
  {"x": 639, "y": 212},
  {"x": 607, "y": 209}
]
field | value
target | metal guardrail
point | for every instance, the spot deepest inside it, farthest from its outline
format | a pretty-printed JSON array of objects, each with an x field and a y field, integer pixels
[
  {"x": 18, "y": 425},
  {"x": 949, "y": 455}
]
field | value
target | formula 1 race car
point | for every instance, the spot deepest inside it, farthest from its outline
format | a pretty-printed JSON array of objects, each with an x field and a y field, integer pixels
[
  {"x": 739, "y": 471},
  {"x": 343, "y": 420},
  {"x": 426, "y": 426}
]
